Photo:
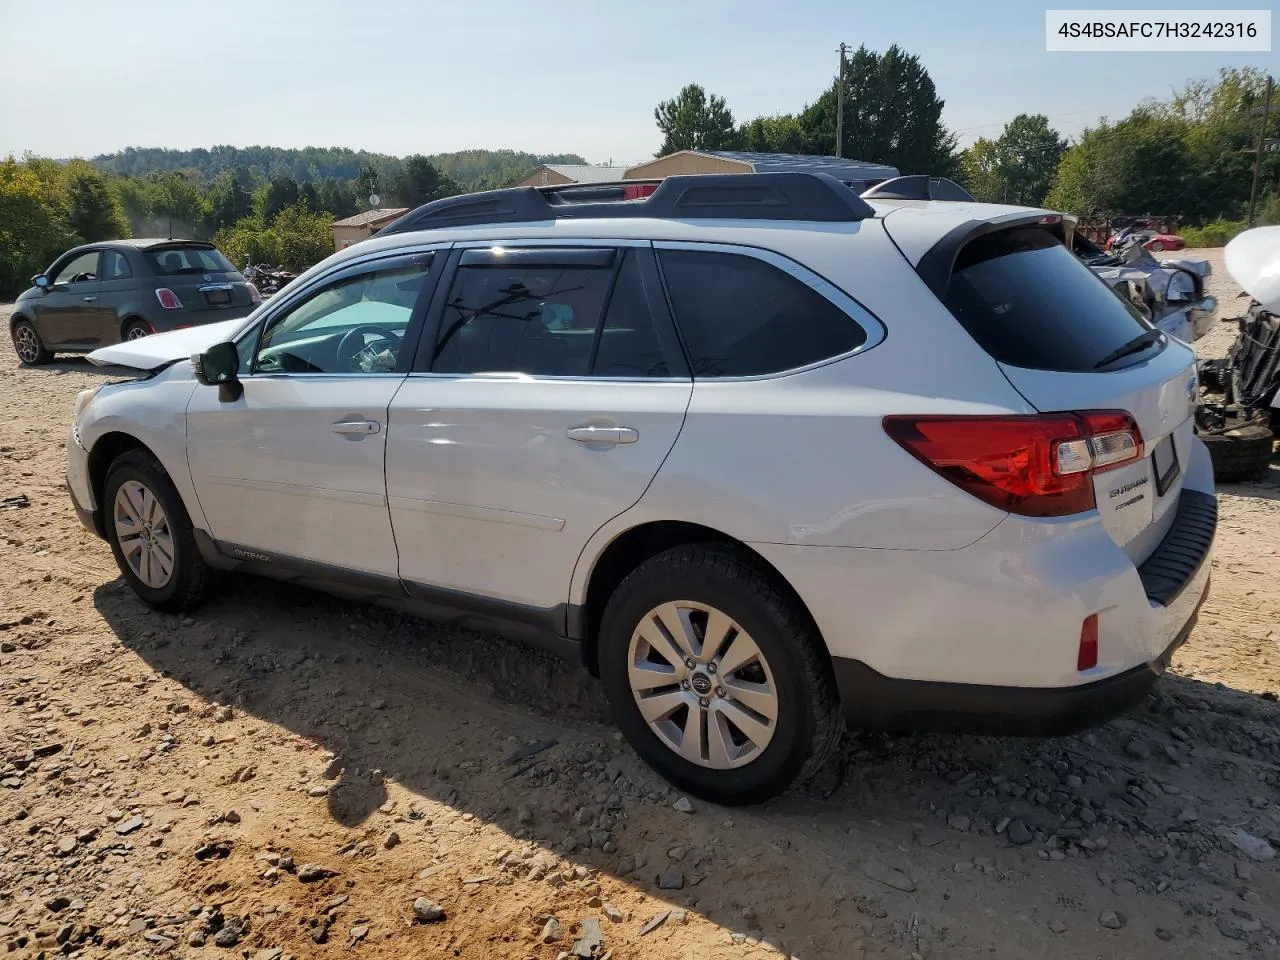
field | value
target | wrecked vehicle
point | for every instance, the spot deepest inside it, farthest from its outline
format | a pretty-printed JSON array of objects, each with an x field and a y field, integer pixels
[
  {"x": 1169, "y": 293},
  {"x": 1240, "y": 428}
]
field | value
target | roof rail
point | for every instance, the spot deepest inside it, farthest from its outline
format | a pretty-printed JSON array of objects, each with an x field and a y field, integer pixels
[
  {"x": 814, "y": 197},
  {"x": 918, "y": 187}
]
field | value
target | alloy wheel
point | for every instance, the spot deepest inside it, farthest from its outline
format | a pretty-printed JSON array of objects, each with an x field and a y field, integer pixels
[
  {"x": 26, "y": 343},
  {"x": 143, "y": 532},
  {"x": 137, "y": 332},
  {"x": 702, "y": 685}
]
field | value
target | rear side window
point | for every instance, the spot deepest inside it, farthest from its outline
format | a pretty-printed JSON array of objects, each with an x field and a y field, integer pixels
[
  {"x": 1029, "y": 302},
  {"x": 566, "y": 316},
  {"x": 115, "y": 266},
  {"x": 742, "y": 317},
  {"x": 175, "y": 261}
]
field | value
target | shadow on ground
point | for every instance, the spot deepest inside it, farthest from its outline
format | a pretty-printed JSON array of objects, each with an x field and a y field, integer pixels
[{"x": 442, "y": 711}]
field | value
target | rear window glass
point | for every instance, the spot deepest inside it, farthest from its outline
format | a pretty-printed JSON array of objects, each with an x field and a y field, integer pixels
[
  {"x": 174, "y": 261},
  {"x": 1029, "y": 302}
]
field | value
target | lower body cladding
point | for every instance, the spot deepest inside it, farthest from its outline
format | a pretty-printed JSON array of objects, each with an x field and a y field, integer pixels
[{"x": 988, "y": 639}]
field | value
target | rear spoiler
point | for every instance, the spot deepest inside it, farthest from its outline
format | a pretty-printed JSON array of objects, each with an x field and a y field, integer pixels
[
  {"x": 918, "y": 187},
  {"x": 939, "y": 260}
]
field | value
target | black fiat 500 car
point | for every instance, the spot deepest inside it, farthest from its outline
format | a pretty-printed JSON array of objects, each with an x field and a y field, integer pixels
[{"x": 101, "y": 293}]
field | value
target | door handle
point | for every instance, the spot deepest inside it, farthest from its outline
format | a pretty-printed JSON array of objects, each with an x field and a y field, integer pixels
[
  {"x": 88, "y": 299},
  {"x": 357, "y": 427},
  {"x": 591, "y": 433}
]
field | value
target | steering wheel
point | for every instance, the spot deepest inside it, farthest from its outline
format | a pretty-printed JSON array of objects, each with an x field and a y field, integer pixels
[{"x": 357, "y": 356}]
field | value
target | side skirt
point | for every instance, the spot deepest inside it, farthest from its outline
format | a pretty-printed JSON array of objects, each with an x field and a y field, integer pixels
[{"x": 533, "y": 626}]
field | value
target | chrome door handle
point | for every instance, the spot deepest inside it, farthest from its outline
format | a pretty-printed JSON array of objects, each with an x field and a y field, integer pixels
[
  {"x": 357, "y": 427},
  {"x": 597, "y": 434},
  {"x": 88, "y": 299}
]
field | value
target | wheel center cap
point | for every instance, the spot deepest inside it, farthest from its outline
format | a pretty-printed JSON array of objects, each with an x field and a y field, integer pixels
[{"x": 701, "y": 684}]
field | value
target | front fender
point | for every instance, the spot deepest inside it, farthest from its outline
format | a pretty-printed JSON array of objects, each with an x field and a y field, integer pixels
[{"x": 153, "y": 412}]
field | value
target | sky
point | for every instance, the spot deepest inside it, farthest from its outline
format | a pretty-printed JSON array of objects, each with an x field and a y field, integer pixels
[{"x": 399, "y": 77}]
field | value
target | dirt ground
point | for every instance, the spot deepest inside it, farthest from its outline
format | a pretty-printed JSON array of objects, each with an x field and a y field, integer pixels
[{"x": 285, "y": 774}]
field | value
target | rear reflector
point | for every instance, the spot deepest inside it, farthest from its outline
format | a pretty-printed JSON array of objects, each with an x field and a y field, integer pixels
[
  {"x": 1036, "y": 466},
  {"x": 168, "y": 299},
  {"x": 1087, "y": 658}
]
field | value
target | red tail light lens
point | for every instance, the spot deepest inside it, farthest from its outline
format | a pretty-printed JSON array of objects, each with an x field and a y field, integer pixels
[
  {"x": 1036, "y": 466},
  {"x": 1087, "y": 658},
  {"x": 168, "y": 299}
]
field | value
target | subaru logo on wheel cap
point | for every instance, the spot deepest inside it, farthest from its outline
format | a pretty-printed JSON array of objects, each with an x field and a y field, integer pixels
[{"x": 701, "y": 684}]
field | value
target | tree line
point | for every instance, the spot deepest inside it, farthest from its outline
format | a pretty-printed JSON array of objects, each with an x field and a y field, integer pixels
[
  {"x": 258, "y": 204},
  {"x": 1188, "y": 157}
]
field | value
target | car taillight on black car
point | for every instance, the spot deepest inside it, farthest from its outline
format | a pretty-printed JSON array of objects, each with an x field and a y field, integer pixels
[
  {"x": 1036, "y": 466},
  {"x": 168, "y": 299}
]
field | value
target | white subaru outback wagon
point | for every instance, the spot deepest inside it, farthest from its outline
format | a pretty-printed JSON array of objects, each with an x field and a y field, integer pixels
[{"x": 763, "y": 454}]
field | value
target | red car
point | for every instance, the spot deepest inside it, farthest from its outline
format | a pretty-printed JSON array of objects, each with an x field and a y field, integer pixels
[{"x": 1154, "y": 242}]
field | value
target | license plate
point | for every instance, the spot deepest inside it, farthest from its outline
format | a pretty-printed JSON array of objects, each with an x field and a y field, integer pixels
[
  {"x": 1164, "y": 458},
  {"x": 218, "y": 297}
]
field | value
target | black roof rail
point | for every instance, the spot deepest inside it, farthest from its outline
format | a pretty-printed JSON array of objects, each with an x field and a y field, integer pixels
[
  {"x": 918, "y": 187},
  {"x": 814, "y": 197}
]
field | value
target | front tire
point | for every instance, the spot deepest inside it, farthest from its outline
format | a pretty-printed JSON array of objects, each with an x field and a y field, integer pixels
[
  {"x": 1156, "y": 246},
  {"x": 151, "y": 535},
  {"x": 28, "y": 346},
  {"x": 717, "y": 675}
]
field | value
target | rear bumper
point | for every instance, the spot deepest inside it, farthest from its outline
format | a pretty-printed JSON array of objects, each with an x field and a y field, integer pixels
[{"x": 873, "y": 700}]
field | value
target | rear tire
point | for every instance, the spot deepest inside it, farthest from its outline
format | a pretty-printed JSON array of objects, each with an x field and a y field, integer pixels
[
  {"x": 1242, "y": 452},
  {"x": 725, "y": 599},
  {"x": 135, "y": 330},
  {"x": 28, "y": 346},
  {"x": 143, "y": 513},
  {"x": 1156, "y": 246}
]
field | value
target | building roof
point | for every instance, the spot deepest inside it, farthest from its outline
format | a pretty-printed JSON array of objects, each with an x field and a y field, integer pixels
[
  {"x": 841, "y": 168},
  {"x": 587, "y": 173},
  {"x": 370, "y": 218}
]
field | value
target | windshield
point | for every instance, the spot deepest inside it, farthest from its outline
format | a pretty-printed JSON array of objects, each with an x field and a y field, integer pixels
[
  {"x": 1030, "y": 303},
  {"x": 176, "y": 261}
]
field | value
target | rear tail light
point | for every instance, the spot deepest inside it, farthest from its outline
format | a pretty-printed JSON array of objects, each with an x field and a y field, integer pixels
[
  {"x": 1036, "y": 466},
  {"x": 168, "y": 299},
  {"x": 1087, "y": 658}
]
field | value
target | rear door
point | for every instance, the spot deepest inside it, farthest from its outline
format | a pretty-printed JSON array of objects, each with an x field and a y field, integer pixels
[
  {"x": 1067, "y": 342},
  {"x": 202, "y": 277},
  {"x": 541, "y": 408}
]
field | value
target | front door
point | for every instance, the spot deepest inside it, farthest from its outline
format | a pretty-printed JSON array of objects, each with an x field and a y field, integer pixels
[
  {"x": 67, "y": 314},
  {"x": 542, "y": 408},
  {"x": 291, "y": 472}
]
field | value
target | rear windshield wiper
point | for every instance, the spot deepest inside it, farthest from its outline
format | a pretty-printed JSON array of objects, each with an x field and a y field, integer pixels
[{"x": 1143, "y": 340}]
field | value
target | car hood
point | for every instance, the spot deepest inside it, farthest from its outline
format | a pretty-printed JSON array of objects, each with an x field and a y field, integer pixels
[
  {"x": 161, "y": 349},
  {"x": 1253, "y": 260}
]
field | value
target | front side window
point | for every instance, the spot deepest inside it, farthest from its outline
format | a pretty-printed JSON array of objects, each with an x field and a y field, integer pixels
[
  {"x": 741, "y": 317},
  {"x": 543, "y": 313},
  {"x": 354, "y": 325},
  {"x": 79, "y": 269}
]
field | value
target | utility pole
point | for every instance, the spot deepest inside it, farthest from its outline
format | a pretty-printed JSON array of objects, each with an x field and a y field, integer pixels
[
  {"x": 1257, "y": 156},
  {"x": 840, "y": 105}
]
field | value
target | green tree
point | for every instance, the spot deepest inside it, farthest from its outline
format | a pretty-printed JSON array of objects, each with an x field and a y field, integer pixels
[
  {"x": 778, "y": 134},
  {"x": 275, "y": 196},
  {"x": 691, "y": 120},
  {"x": 229, "y": 202},
  {"x": 301, "y": 238},
  {"x": 94, "y": 212},
  {"x": 892, "y": 114},
  {"x": 367, "y": 184},
  {"x": 420, "y": 182},
  {"x": 1028, "y": 153},
  {"x": 32, "y": 230},
  {"x": 980, "y": 171}
]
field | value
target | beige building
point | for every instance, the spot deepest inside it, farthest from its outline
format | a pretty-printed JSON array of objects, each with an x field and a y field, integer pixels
[
  {"x": 556, "y": 174},
  {"x": 854, "y": 172},
  {"x": 363, "y": 225}
]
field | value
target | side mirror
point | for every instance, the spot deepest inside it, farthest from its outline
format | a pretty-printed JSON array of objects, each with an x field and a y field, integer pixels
[
  {"x": 219, "y": 366},
  {"x": 40, "y": 280}
]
